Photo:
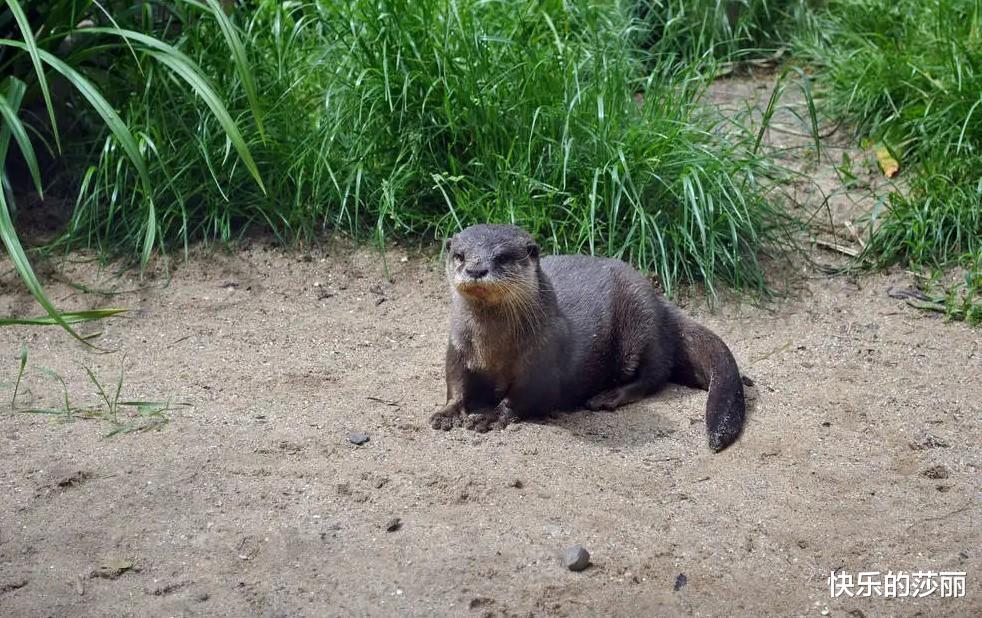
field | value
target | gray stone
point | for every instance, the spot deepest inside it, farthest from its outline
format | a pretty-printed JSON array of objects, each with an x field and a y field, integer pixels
[
  {"x": 358, "y": 437},
  {"x": 576, "y": 558}
]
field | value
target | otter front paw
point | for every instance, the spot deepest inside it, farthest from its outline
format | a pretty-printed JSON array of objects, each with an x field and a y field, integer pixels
[
  {"x": 496, "y": 419},
  {"x": 483, "y": 422},
  {"x": 447, "y": 418}
]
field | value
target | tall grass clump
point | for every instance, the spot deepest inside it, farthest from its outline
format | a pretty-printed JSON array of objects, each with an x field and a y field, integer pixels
[
  {"x": 908, "y": 75},
  {"x": 64, "y": 63},
  {"x": 726, "y": 30},
  {"x": 396, "y": 118}
]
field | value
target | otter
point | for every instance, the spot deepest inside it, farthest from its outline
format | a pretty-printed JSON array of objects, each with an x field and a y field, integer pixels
[{"x": 530, "y": 336}]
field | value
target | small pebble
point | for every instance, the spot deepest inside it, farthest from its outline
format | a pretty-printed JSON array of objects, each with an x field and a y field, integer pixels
[
  {"x": 201, "y": 597},
  {"x": 358, "y": 437},
  {"x": 576, "y": 558},
  {"x": 680, "y": 581},
  {"x": 393, "y": 524}
]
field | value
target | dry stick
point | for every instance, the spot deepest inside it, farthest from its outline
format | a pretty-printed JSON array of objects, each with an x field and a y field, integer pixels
[{"x": 850, "y": 251}]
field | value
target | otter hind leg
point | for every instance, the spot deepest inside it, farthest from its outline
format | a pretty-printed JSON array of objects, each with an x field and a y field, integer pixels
[
  {"x": 650, "y": 375},
  {"x": 619, "y": 396}
]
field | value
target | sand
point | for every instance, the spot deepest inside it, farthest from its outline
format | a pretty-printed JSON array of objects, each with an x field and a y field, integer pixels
[{"x": 862, "y": 452}]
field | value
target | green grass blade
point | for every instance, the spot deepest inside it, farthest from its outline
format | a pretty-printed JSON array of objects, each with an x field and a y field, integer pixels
[
  {"x": 50, "y": 411},
  {"x": 54, "y": 375},
  {"x": 119, "y": 385},
  {"x": 211, "y": 99},
  {"x": 98, "y": 387},
  {"x": 187, "y": 70},
  {"x": 146, "y": 406},
  {"x": 119, "y": 429},
  {"x": 8, "y": 235},
  {"x": 20, "y": 135},
  {"x": 20, "y": 374},
  {"x": 241, "y": 62},
  {"x": 30, "y": 45},
  {"x": 69, "y": 317},
  {"x": 118, "y": 128},
  {"x": 101, "y": 106},
  {"x": 806, "y": 90}
]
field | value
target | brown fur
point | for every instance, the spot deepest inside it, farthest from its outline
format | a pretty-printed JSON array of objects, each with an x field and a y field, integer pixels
[{"x": 529, "y": 336}]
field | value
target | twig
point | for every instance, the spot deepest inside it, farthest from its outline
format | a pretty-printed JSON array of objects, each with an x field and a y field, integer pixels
[{"x": 850, "y": 251}]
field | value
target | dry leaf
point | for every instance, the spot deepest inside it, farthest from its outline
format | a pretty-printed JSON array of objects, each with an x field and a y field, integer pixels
[{"x": 888, "y": 164}]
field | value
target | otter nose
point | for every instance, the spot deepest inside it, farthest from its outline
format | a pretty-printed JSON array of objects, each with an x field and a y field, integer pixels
[{"x": 476, "y": 272}]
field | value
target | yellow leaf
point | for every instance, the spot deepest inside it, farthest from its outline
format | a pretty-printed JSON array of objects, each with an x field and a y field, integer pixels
[{"x": 888, "y": 164}]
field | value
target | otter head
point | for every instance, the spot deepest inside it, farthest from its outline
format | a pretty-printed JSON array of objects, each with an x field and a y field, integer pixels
[{"x": 492, "y": 265}]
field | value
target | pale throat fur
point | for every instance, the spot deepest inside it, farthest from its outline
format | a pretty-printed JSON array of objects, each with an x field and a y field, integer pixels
[{"x": 502, "y": 310}]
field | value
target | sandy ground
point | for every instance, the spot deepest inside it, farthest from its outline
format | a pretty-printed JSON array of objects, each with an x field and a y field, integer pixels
[{"x": 862, "y": 452}]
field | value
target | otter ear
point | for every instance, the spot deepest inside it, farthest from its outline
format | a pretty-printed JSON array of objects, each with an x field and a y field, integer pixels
[
  {"x": 448, "y": 245},
  {"x": 533, "y": 250}
]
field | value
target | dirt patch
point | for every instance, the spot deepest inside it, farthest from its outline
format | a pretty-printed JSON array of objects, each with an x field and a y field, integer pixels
[
  {"x": 861, "y": 453},
  {"x": 256, "y": 502}
]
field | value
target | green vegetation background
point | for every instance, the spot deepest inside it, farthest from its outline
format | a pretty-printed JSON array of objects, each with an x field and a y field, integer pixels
[{"x": 177, "y": 121}]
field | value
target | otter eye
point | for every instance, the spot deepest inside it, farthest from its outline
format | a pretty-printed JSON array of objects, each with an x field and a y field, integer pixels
[
  {"x": 458, "y": 257},
  {"x": 504, "y": 258},
  {"x": 508, "y": 256}
]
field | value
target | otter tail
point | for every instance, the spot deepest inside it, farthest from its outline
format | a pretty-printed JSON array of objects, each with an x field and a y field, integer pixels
[{"x": 703, "y": 361}]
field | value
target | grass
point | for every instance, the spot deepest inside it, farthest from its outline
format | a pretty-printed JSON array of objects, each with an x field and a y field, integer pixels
[
  {"x": 59, "y": 43},
  {"x": 958, "y": 296},
  {"x": 400, "y": 118},
  {"x": 726, "y": 30},
  {"x": 394, "y": 119},
  {"x": 908, "y": 75},
  {"x": 123, "y": 416}
]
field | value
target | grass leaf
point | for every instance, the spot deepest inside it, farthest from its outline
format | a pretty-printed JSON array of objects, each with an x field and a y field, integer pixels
[
  {"x": 100, "y": 105},
  {"x": 8, "y": 234},
  {"x": 207, "y": 94},
  {"x": 188, "y": 71},
  {"x": 20, "y": 135},
  {"x": 31, "y": 46},
  {"x": 20, "y": 374},
  {"x": 240, "y": 61},
  {"x": 68, "y": 317}
]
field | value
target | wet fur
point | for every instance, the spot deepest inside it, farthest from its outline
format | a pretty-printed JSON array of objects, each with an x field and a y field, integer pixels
[{"x": 531, "y": 336}]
